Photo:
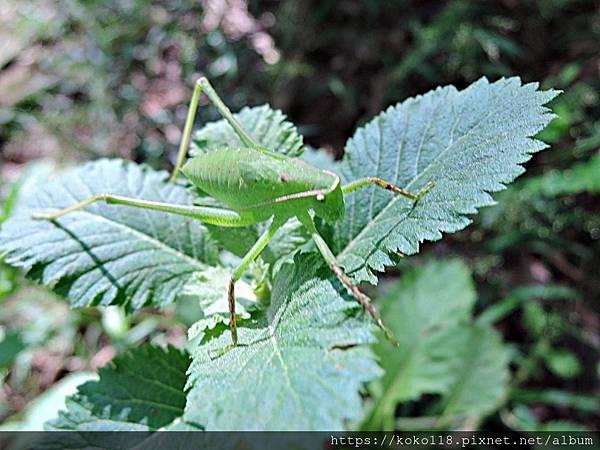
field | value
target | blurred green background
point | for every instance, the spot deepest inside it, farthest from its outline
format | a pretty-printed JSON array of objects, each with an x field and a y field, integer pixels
[{"x": 83, "y": 79}]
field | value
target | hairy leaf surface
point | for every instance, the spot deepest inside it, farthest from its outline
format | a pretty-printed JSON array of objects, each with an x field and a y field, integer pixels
[
  {"x": 441, "y": 351},
  {"x": 268, "y": 127},
  {"x": 108, "y": 254},
  {"x": 468, "y": 143},
  {"x": 140, "y": 390},
  {"x": 299, "y": 366}
]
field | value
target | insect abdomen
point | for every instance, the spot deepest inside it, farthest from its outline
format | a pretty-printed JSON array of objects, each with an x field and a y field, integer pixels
[{"x": 249, "y": 181}]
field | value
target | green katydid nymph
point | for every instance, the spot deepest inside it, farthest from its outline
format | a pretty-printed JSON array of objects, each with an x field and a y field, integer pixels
[{"x": 257, "y": 185}]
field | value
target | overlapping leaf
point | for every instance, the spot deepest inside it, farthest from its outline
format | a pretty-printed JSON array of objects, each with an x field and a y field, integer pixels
[
  {"x": 441, "y": 351},
  {"x": 468, "y": 143},
  {"x": 481, "y": 381},
  {"x": 108, "y": 254},
  {"x": 141, "y": 390},
  {"x": 299, "y": 366}
]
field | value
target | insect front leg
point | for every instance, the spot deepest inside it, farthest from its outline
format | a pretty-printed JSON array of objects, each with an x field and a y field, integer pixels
[
  {"x": 203, "y": 85},
  {"x": 187, "y": 131},
  {"x": 212, "y": 216},
  {"x": 363, "y": 182}
]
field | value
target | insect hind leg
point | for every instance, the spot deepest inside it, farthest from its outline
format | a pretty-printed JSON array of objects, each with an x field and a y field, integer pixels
[
  {"x": 329, "y": 257},
  {"x": 365, "y": 303}
]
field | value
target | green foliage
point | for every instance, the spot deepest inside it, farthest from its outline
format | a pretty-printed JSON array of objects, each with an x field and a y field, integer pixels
[
  {"x": 564, "y": 364},
  {"x": 539, "y": 352},
  {"x": 522, "y": 419},
  {"x": 520, "y": 297},
  {"x": 98, "y": 67},
  {"x": 7, "y": 273},
  {"x": 11, "y": 343},
  {"x": 441, "y": 350},
  {"x": 306, "y": 356},
  {"x": 300, "y": 365},
  {"x": 80, "y": 79},
  {"x": 468, "y": 143},
  {"x": 582, "y": 402},
  {"x": 266, "y": 126},
  {"x": 140, "y": 390},
  {"x": 105, "y": 254},
  {"x": 548, "y": 328}
]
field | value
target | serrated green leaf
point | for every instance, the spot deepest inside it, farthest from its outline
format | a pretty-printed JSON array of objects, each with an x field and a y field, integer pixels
[
  {"x": 108, "y": 254},
  {"x": 480, "y": 384},
  {"x": 440, "y": 351},
  {"x": 299, "y": 366},
  {"x": 468, "y": 143},
  {"x": 268, "y": 127},
  {"x": 34, "y": 174},
  {"x": 140, "y": 390}
]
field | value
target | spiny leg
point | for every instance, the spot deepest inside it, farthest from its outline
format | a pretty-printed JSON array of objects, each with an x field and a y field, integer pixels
[
  {"x": 209, "y": 215},
  {"x": 252, "y": 254},
  {"x": 331, "y": 261},
  {"x": 363, "y": 182}
]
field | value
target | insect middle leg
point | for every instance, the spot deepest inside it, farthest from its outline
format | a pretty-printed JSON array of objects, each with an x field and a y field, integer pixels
[
  {"x": 252, "y": 254},
  {"x": 363, "y": 182}
]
